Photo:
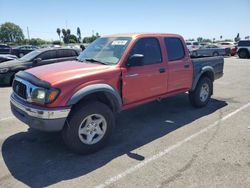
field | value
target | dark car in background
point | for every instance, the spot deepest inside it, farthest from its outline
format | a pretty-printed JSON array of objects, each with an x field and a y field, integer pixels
[
  {"x": 211, "y": 50},
  {"x": 33, "y": 59},
  {"x": 7, "y": 57},
  {"x": 5, "y": 49},
  {"x": 20, "y": 51}
]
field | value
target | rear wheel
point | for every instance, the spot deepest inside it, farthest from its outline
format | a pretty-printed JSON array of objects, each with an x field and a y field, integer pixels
[
  {"x": 89, "y": 127},
  {"x": 202, "y": 93},
  {"x": 243, "y": 54}
]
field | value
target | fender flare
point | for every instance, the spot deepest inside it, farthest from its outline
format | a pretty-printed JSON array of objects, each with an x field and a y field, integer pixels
[
  {"x": 110, "y": 92},
  {"x": 206, "y": 69}
]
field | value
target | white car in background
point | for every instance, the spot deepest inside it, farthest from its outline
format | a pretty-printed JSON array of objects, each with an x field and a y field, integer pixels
[{"x": 191, "y": 45}]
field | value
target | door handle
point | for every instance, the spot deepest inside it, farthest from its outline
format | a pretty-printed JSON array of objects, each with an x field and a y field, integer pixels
[
  {"x": 132, "y": 75},
  {"x": 162, "y": 70},
  {"x": 186, "y": 66}
]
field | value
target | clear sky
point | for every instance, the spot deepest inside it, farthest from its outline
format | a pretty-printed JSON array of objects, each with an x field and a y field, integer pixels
[{"x": 190, "y": 18}]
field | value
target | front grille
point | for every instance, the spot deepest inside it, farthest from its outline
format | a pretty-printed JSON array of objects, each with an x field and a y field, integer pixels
[{"x": 20, "y": 89}]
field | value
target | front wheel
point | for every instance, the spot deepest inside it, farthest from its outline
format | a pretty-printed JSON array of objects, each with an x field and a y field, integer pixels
[
  {"x": 88, "y": 128},
  {"x": 202, "y": 93}
]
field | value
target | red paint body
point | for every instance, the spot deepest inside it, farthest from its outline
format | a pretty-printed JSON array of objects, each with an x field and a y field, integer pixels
[{"x": 149, "y": 85}]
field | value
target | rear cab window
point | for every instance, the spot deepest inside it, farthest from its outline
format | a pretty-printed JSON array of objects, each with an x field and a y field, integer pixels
[
  {"x": 175, "y": 48},
  {"x": 150, "y": 48}
]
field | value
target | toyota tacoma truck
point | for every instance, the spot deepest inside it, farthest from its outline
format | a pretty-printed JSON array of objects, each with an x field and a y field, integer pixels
[{"x": 80, "y": 98}]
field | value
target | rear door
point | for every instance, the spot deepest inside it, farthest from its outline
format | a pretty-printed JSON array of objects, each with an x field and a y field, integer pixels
[
  {"x": 148, "y": 80},
  {"x": 179, "y": 65},
  {"x": 66, "y": 54}
]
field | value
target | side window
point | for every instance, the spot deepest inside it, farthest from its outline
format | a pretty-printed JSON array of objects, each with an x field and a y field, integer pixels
[
  {"x": 48, "y": 55},
  {"x": 150, "y": 48},
  {"x": 66, "y": 53},
  {"x": 174, "y": 48}
]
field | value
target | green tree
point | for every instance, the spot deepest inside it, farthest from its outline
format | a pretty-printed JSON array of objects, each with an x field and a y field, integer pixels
[
  {"x": 72, "y": 39},
  {"x": 58, "y": 30},
  {"x": 10, "y": 32},
  {"x": 246, "y": 37},
  {"x": 37, "y": 41},
  {"x": 90, "y": 39},
  {"x": 66, "y": 34},
  {"x": 199, "y": 39},
  {"x": 207, "y": 40},
  {"x": 79, "y": 35}
]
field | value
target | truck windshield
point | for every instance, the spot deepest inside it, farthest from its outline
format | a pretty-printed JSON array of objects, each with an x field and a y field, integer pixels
[{"x": 106, "y": 50}]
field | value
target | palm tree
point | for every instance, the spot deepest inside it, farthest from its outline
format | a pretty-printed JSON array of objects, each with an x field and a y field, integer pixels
[
  {"x": 79, "y": 34},
  {"x": 58, "y": 30}
]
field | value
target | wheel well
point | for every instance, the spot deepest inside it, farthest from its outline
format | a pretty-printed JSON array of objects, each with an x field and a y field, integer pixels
[
  {"x": 101, "y": 96},
  {"x": 208, "y": 74}
]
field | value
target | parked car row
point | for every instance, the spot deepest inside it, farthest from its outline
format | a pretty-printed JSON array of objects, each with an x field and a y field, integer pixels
[
  {"x": 20, "y": 51},
  {"x": 211, "y": 50},
  {"x": 35, "y": 58},
  {"x": 221, "y": 48}
]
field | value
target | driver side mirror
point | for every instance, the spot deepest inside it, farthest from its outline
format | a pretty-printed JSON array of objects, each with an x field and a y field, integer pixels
[
  {"x": 135, "y": 60},
  {"x": 37, "y": 60}
]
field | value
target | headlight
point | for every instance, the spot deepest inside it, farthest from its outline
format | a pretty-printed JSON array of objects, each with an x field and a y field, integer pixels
[
  {"x": 4, "y": 70},
  {"x": 44, "y": 96}
]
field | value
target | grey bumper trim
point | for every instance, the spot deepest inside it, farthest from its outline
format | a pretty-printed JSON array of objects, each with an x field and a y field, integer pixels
[{"x": 42, "y": 113}]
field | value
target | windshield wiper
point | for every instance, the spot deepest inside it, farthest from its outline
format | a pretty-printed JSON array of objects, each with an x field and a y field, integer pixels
[{"x": 94, "y": 61}]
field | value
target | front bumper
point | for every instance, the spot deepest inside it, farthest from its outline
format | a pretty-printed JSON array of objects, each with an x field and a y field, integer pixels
[{"x": 44, "y": 119}]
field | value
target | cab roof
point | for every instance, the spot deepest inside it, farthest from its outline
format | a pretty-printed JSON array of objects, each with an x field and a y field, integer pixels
[{"x": 135, "y": 35}]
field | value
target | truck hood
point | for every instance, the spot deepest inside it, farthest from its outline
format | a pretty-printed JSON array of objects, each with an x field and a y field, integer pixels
[{"x": 68, "y": 70}]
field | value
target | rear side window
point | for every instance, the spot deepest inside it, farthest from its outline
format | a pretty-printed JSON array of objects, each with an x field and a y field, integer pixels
[
  {"x": 175, "y": 49},
  {"x": 244, "y": 43},
  {"x": 150, "y": 48},
  {"x": 195, "y": 43},
  {"x": 66, "y": 53},
  {"x": 48, "y": 55}
]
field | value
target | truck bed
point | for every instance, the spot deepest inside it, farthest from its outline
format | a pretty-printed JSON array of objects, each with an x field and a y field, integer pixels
[{"x": 200, "y": 63}]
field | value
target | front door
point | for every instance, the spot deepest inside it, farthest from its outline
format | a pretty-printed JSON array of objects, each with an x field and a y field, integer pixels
[{"x": 150, "y": 78}]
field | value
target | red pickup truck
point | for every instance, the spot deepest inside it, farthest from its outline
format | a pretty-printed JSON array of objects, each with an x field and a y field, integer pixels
[{"x": 112, "y": 74}]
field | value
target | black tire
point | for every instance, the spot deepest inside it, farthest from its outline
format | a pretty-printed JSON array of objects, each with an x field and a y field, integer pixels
[
  {"x": 79, "y": 113},
  {"x": 243, "y": 54},
  {"x": 215, "y": 54},
  {"x": 195, "y": 96}
]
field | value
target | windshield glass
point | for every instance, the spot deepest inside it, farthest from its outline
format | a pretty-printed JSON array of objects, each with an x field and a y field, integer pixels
[
  {"x": 30, "y": 56},
  {"x": 106, "y": 50}
]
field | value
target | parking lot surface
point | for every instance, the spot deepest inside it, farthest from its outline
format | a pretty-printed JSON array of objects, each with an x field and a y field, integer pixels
[{"x": 160, "y": 144}]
